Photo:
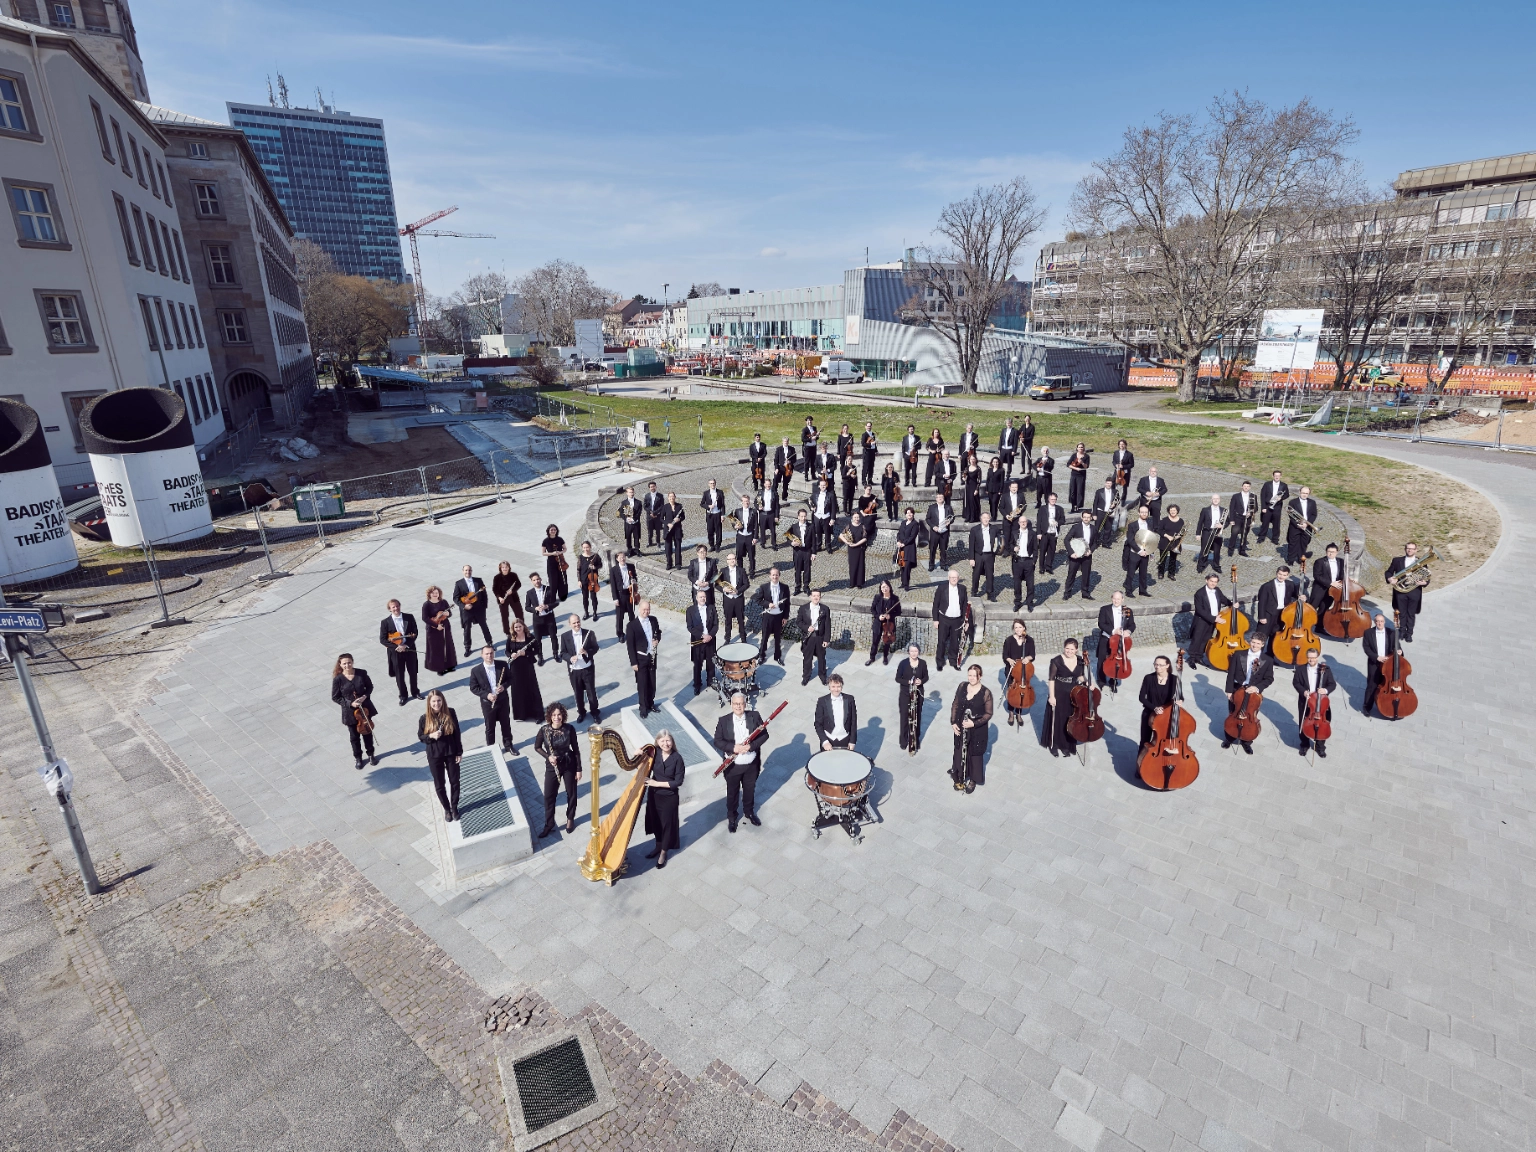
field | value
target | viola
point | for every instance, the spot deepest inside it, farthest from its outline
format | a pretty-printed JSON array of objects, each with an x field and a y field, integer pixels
[
  {"x": 1297, "y": 620},
  {"x": 1085, "y": 725},
  {"x": 1117, "y": 665},
  {"x": 361, "y": 720},
  {"x": 888, "y": 631},
  {"x": 1166, "y": 762},
  {"x": 593, "y": 581},
  {"x": 1230, "y": 635},
  {"x": 1395, "y": 698},
  {"x": 1021, "y": 692},
  {"x": 1243, "y": 721},
  {"x": 757, "y": 473},
  {"x": 1315, "y": 725},
  {"x": 1344, "y": 619}
]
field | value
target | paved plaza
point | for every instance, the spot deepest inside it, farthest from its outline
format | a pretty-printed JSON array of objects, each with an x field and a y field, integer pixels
[{"x": 1288, "y": 954}]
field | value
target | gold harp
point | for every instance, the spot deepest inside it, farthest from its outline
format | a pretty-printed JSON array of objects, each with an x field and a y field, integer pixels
[{"x": 605, "y": 855}]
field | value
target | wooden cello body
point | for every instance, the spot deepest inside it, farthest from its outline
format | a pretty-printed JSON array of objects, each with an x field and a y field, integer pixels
[
  {"x": 1167, "y": 762},
  {"x": 1230, "y": 635},
  {"x": 1295, "y": 636},
  {"x": 1314, "y": 725},
  {"x": 1243, "y": 721},
  {"x": 1117, "y": 665},
  {"x": 1085, "y": 725},
  {"x": 1344, "y": 619},
  {"x": 1395, "y": 698},
  {"x": 1020, "y": 695}
]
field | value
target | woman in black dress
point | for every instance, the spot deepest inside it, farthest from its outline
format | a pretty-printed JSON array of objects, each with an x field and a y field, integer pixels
[
  {"x": 997, "y": 484},
  {"x": 504, "y": 586},
  {"x": 554, "y": 557},
  {"x": 1065, "y": 671},
  {"x": 885, "y": 606},
  {"x": 437, "y": 619},
  {"x": 970, "y": 717},
  {"x": 1020, "y": 646},
  {"x": 352, "y": 688},
  {"x": 972, "y": 507},
  {"x": 1159, "y": 688},
  {"x": 661, "y": 798},
  {"x": 438, "y": 729},
  {"x": 850, "y": 483},
  {"x": 523, "y": 678},
  {"x": 555, "y": 744},
  {"x": 889, "y": 482}
]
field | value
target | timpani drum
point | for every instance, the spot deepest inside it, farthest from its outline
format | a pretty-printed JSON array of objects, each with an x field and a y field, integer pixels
[
  {"x": 736, "y": 665},
  {"x": 840, "y": 780}
]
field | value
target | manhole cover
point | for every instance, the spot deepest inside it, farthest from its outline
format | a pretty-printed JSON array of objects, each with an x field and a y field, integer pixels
[{"x": 553, "y": 1084}]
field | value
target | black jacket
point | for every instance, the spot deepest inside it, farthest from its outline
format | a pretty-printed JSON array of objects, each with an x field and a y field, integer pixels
[
  {"x": 1144, "y": 489},
  {"x": 1270, "y": 493},
  {"x": 931, "y": 518},
  {"x": 561, "y": 743},
  {"x": 1202, "y": 604},
  {"x": 386, "y": 626},
  {"x": 614, "y": 584},
  {"x": 475, "y": 611},
  {"x": 1325, "y": 679},
  {"x": 823, "y": 630},
  {"x": 480, "y": 684},
  {"x": 449, "y": 746},
  {"x": 1263, "y": 673},
  {"x": 702, "y": 621},
  {"x": 1235, "y": 506},
  {"x": 1368, "y": 643},
  {"x": 718, "y": 508},
  {"x": 725, "y": 734},
  {"x": 782, "y": 455},
  {"x": 1126, "y": 460},
  {"x": 996, "y": 535},
  {"x": 568, "y": 645},
  {"x": 1022, "y": 527},
  {"x": 1267, "y": 607},
  {"x": 823, "y": 721},
  {"x": 634, "y": 637},
  {"x": 1042, "y": 520},
  {"x": 763, "y": 597},
  {"x": 531, "y": 603},
  {"x": 941, "y": 601},
  {"x": 1084, "y": 532},
  {"x": 905, "y": 674},
  {"x": 815, "y": 499},
  {"x": 1107, "y": 620},
  {"x": 344, "y": 693},
  {"x": 1400, "y": 599}
]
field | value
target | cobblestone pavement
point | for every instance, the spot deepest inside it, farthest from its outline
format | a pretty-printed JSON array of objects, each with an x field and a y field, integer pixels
[{"x": 1286, "y": 955}]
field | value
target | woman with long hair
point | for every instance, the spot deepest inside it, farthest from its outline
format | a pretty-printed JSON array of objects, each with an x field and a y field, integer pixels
[
  {"x": 556, "y": 745},
  {"x": 972, "y": 499},
  {"x": 438, "y": 729},
  {"x": 1018, "y": 648},
  {"x": 554, "y": 555},
  {"x": 504, "y": 586},
  {"x": 885, "y": 606},
  {"x": 997, "y": 484},
  {"x": 1066, "y": 671},
  {"x": 1159, "y": 689},
  {"x": 522, "y": 679},
  {"x": 970, "y": 718},
  {"x": 889, "y": 482},
  {"x": 661, "y": 798},
  {"x": 437, "y": 619},
  {"x": 352, "y": 688}
]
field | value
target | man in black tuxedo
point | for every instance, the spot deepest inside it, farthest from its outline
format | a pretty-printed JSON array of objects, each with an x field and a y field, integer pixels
[
  {"x": 808, "y": 437},
  {"x": 1406, "y": 604},
  {"x": 1301, "y": 525},
  {"x": 1313, "y": 676},
  {"x": 911, "y": 676},
  {"x": 802, "y": 538},
  {"x": 940, "y": 518},
  {"x": 702, "y": 571},
  {"x": 837, "y": 717},
  {"x": 1133, "y": 557},
  {"x": 757, "y": 460},
  {"x": 578, "y": 649},
  {"x": 488, "y": 681},
  {"x": 746, "y": 535},
  {"x": 401, "y": 652},
  {"x": 734, "y": 736},
  {"x": 949, "y": 605},
  {"x": 823, "y": 515},
  {"x": 703, "y": 621},
  {"x": 653, "y": 504},
  {"x": 1379, "y": 644},
  {"x": 869, "y": 449},
  {"x": 1115, "y": 619},
  {"x": 1050, "y": 523},
  {"x": 1080, "y": 566},
  {"x": 1208, "y": 604},
  {"x": 1007, "y": 445},
  {"x": 470, "y": 614},
  {"x": 1122, "y": 464},
  {"x": 1273, "y": 596},
  {"x": 673, "y": 518},
  {"x": 772, "y": 600},
  {"x": 1250, "y": 671},
  {"x": 815, "y": 623},
  {"x": 1023, "y": 550},
  {"x": 540, "y": 604},
  {"x": 1243, "y": 508},
  {"x": 1150, "y": 490},
  {"x": 768, "y": 521},
  {"x": 622, "y": 585},
  {"x": 1327, "y": 570},
  {"x": 631, "y": 512},
  {"x": 733, "y": 597},
  {"x": 642, "y": 640},
  {"x": 985, "y": 542},
  {"x": 713, "y": 503},
  {"x": 908, "y": 539},
  {"x": 911, "y": 447},
  {"x": 1273, "y": 494},
  {"x": 783, "y": 467}
]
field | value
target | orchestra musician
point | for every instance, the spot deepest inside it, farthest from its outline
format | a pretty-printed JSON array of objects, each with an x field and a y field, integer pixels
[
  {"x": 1023, "y": 550},
  {"x": 630, "y": 514},
  {"x": 1208, "y": 527},
  {"x": 401, "y": 653},
  {"x": 1014, "y": 505},
  {"x": 859, "y": 536},
  {"x": 815, "y": 624},
  {"x": 869, "y": 448},
  {"x": 713, "y": 503},
  {"x": 1080, "y": 566},
  {"x": 436, "y": 614},
  {"x": 703, "y": 623},
  {"x": 1302, "y": 516},
  {"x": 823, "y": 516},
  {"x": 505, "y": 586},
  {"x": 772, "y": 600},
  {"x": 1243, "y": 508},
  {"x": 1044, "y": 467},
  {"x": 911, "y": 675},
  {"x": 972, "y": 491},
  {"x": 642, "y": 640},
  {"x": 523, "y": 678},
  {"x": 1313, "y": 676},
  {"x": 884, "y": 607},
  {"x": 702, "y": 571},
  {"x": 844, "y": 444},
  {"x": 672, "y": 520},
  {"x": 808, "y": 437},
  {"x": 1406, "y": 604},
  {"x": 969, "y": 441},
  {"x": 850, "y": 472},
  {"x": 1273, "y": 597},
  {"x": 757, "y": 460},
  {"x": 1123, "y": 465},
  {"x": 908, "y": 536},
  {"x": 802, "y": 547},
  {"x": 1327, "y": 572},
  {"x": 621, "y": 586},
  {"x": 1134, "y": 558},
  {"x": 488, "y": 684},
  {"x": 934, "y": 446},
  {"x": 734, "y": 735},
  {"x": 1026, "y": 443},
  {"x": 1273, "y": 494},
  {"x": 1050, "y": 522},
  {"x": 653, "y": 504},
  {"x": 971, "y": 713},
  {"x": 438, "y": 731},
  {"x": 578, "y": 652},
  {"x": 553, "y": 547},
  {"x": 1171, "y": 546},
  {"x": 1150, "y": 490},
  {"x": 768, "y": 520},
  {"x": 1159, "y": 690},
  {"x": 540, "y": 603},
  {"x": 733, "y": 597},
  {"x": 352, "y": 688},
  {"x": 869, "y": 508},
  {"x": 746, "y": 535},
  {"x": 837, "y": 717},
  {"x": 1251, "y": 671},
  {"x": 469, "y": 595},
  {"x": 1115, "y": 619},
  {"x": 555, "y": 743},
  {"x": 588, "y": 563},
  {"x": 888, "y": 485},
  {"x": 1064, "y": 673},
  {"x": 1077, "y": 483},
  {"x": 949, "y": 605},
  {"x": 1019, "y": 646},
  {"x": 985, "y": 541},
  {"x": 1208, "y": 604},
  {"x": 826, "y": 464},
  {"x": 783, "y": 466},
  {"x": 911, "y": 445},
  {"x": 1105, "y": 502},
  {"x": 1007, "y": 445},
  {"x": 1380, "y": 645},
  {"x": 938, "y": 521},
  {"x": 661, "y": 789}
]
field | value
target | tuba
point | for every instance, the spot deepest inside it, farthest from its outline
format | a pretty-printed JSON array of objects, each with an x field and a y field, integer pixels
[{"x": 1414, "y": 577}]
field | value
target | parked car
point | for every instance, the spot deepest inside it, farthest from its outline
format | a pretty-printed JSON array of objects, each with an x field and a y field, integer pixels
[
  {"x": 839, "y": 372},
  {"x": 1056, "y": 388}
]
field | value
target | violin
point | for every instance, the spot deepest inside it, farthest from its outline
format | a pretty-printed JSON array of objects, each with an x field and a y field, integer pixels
[
  {"x": 1117, "y": 665},
  {"x": 1230, "y": 634},
  {"x": 471, "y": 599},
  {"x": 1243, "y": 721},
  {"x": 1085, "y": 725},
  {"x": 1315, "y": 725},
  {"x": 1021, "y": 691},
  {"x": 1344, "y": 619},
  {"x": 757, "y": 473},
  {"x": 1395, "y": 698},
  {"x": 593, "y": 581},
  {"x": 1297, "y": 620},
  {"x": 888, "y": 631},
  {"x": 1166, "y": 762},
  {"x": 442, "y": 617},
  {"x": 564, "y": 567}
]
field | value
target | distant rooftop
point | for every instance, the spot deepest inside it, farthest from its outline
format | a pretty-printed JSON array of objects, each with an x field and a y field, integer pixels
[
  {"x": 1512, "y": 169},
  {"x": 169, "y": 116}
]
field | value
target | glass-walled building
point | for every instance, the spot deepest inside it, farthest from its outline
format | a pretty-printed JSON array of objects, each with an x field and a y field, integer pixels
[
  {"x": 801, "y": 319},
  {"x": 330, "y": 171}
]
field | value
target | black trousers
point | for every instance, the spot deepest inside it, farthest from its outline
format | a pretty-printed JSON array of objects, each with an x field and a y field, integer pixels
[
  {"x": 856, "y": 566},
  {"x": 908, "y": 472},
  {"x": 1301, "y": 715},
  {"x": 703, "y": 664},
  {"x": 948, "y": 650},
  {"x": 673, "y": 544},
  {"x": 802, "y": 569},
  {"x": 589, "y": 602},
  {"x": 405, "y": 667},
  {"x": 812, "y": 649},
  {"x": 632, "y": 537},
  {"x": 1237, "y": 542},
  {"x": 1042, "y": 490},
  {"x": 773, "y": 625},
  {"x": 1269, "y": 522},
  {"x": 1047, "y": 553},
  {"x": 1077, "y": 488},
  {"x": 445, "y": 778},
  {"x": 741, "y": 786},
  {"x": 360, "y": 742},
  {"x": 498, "y": 713},
  {"x": 938, "y": 546},
  {"x": 928, "y": 473},
  {"x": 468, "y": 624},
  {"x": 823, "y": 533},
  {"x": 713, "y": 531},
  {"x": 552, "y": 782},
  {"x": 746, "y": 554},
  {"x": 645, "y": 685},
  {"x": 1079, "y": 568},
  {"x": 1136, "y": 574},
  {"x": 904, "y": 706},
  {"x": 1407, "y": 616},
  {"x": 623, "y": 612},
  {"x": 584, "y": 688},
  {"x": 652, "y": 531},
  {"x": 769, "y": 524},
  {"x": 1200, "y": 633},
  {"x": 781, "y": 480},
  {"x": 1007, "y": 459},
  {"x": 733, "y": 608},
  {"x": 544, "y": 625},
  {"x": 1023, "y": 581},
  {"x": 984, "y": 567},
  {"x": 1210, "y": 553},
  {"x": 1168, "y": 564},
  {"x": 1372, "y": 684}
]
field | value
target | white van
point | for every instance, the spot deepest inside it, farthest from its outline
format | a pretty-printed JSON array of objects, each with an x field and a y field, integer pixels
[{"x": 839, "y": 372}]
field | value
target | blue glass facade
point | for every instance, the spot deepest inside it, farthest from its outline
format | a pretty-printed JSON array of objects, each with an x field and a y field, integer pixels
[{"x": 330, "y": 171}]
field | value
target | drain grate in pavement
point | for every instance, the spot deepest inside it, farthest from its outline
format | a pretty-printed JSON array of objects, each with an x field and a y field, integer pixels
[{"x": 553, "y": 1084}]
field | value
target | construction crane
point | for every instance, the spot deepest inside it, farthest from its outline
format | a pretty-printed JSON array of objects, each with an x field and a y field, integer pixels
[{"x": 420, "y": 229}]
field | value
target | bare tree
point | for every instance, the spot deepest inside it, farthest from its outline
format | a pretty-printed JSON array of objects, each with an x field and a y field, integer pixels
[
  {"x": 1182, "y": 217},
  {"x": 555, "y": 296},
  {"x": 1475, "y": 280},
  {"x": 311, "y": 263},
  {"x": 350, "y": 317},
  {"x": 958, "y": 284},
  {"x": 708, "y": 288},
  {"x": 480, "y": 296}
]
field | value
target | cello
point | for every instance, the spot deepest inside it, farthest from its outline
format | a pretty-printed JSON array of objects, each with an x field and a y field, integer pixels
[
  {"x": 1166, "y": 762},
  {"x": 1117, "y": 664},
  {"x": 1344, "y": 619},
  {"x": 1242, "y": 722},
  {"x": 1085, "y": 725},
  {"x": 1230, "y": 634},
  {"x": 1395, "y": 698},
  {"x": 1314, "y": 725},
  {"x": 1020, "y": 695},
  {"x": 1297, "y": 619}
]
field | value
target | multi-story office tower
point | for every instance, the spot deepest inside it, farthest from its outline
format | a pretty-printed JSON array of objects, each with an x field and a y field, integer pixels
[
  {"x": 104, "y": 28},
  {"x": 240, "y": 248},
  {"x": 330, "y": 170}
]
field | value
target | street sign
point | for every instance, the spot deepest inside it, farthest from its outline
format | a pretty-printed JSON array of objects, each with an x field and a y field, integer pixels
[{"x": 22, "y": 620}]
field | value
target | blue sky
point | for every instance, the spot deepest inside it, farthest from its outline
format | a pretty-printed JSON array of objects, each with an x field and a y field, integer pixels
[{"x": 767, "y": 145}]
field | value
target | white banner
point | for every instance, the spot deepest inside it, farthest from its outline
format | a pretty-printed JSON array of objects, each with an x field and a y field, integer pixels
[
  {"x": 851, "y": 329},
  {"x": 1288, "y": 339}
]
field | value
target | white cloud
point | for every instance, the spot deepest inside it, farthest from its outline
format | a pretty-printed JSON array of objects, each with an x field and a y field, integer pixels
[{"x": 773, "y": 253}]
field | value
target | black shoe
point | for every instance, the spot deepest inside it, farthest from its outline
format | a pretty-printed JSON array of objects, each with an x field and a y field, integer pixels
[
  {"x": 730, "y": 826},
  {"x": 359, "y": 764},
  {"x": 373, "y": 760},
  {"x": 448, "y": 815},
  {"x": 653, "y": 853},
  {"x": 548, "y": 831},
  {"x": 886, "y": 660},
  {"x": 1301, "y": 751},
  {"x": 1323, "y": 754},
  {"x": 1086, "y": 596},
  {"x": 570, "y": 825},
  {"x": 867, "y": 663},
  {"x": 580, "y": 717},
  {"x": 756, "y": 823},
  {"x": 1226, "y": 743},
  {"x": 509, "y": 749},
  {"x": 402, "y": 701},
  {"x": 970, "y": 786},
  {"x": 597, "y": 717},
  {"x": 662, "y": 862},
  {"x": 823, "y": 681},
  {"x": 1248, "y": 748}
]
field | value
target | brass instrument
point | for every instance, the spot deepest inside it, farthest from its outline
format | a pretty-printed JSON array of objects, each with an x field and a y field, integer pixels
[
  {"x": 1176, "y": 544},
  {"x": 846, "y": 536},
  {"x": 604, "y": 858},
  {"x": 723, "y": 582},
  {"x": 735, "y": 521},
  {"x": 1295, "y": 518},
  {"x": 1414, "y": 577}
]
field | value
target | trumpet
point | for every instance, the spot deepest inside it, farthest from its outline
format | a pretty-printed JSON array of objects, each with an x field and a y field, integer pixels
[{"x": 1414, "y": 577}]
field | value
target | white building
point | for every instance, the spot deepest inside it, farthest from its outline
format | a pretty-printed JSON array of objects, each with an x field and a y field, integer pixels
[{"x": 96, "y": 291}]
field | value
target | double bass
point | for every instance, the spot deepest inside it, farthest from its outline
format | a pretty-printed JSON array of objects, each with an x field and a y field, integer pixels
[
  {"x": 1344, "y": 619},
  {"x": 1230, "y": 634},
  {"x": 1020, "y": 694},
  {"x": 1085, "y": 725},
  {"x": 1166, "y": 762},
  {"x": 1297, "y": 619},
  {"x": 1395, "y": 698}
]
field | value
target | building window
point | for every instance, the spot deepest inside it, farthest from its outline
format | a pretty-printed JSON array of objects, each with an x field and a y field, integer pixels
[
  {"x": 202, "y": 395},
  {"x": 74, "y": 404},
  {"x": 208, "y": 200},
  {"x": 186, "y": 322},
  {"x": 159, "y": 252},
  {"x": 165, "y": 231},
  {"x": 122, "y": 221},
  {"x": 5, "y": 348},
  {"x": 138, "y": 224},
  {"x": 165, "y": 185},
  {"x": 16, "y": 117},
  {"x": 1500, "y": 212},
  {"x": 149, "y": 324},
  {"x": 101, "y": 133},
  {"x": 154, "y": 187},
  {"x": 176, "y": 326},
  {"x": 138, "y": 161},
  {"x": 37, "y": 224},
  {"x": 63, "y": 15},
  {"x": 122, "y": 152},
  {"x": 181, "y": 258},
  {"x": 197, "y": 328},
  {"x": 221, "y": 265},
  {"x": 65, "y": 321},
  {"x": 197, "y": 150},
  {"x": 233, "y": 324},
  {"x": 212, "y": 400},
  {"x": 165, "y": 329}
]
